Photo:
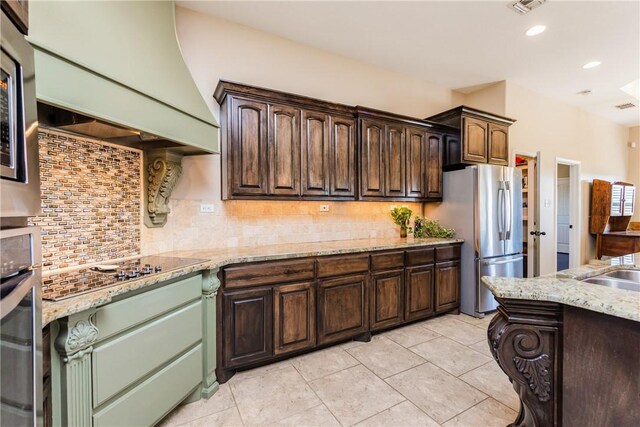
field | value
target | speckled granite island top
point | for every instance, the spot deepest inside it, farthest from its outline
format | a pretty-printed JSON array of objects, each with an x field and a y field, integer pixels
[
  {"x": 565, "y": 287},
  {"x": 216, "y": 258}
]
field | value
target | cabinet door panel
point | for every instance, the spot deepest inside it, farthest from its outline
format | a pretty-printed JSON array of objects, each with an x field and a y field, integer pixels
[
  {"x": 498, "y": 144},
  {"x": 343, "y": 156},
  {"x": 248, "y": 327},
  {"x": 371, "y": 152},
  {"x": 418, "y": 301},
  {"x": 342, "y": 308},
  {"x": 447, "y": 286},
  {"x": 434, "y": 166},
  {"x": 248, "y": 147},
  {"x": 395, "y": 161},
  {"x": 452, "y": 150},
  {"x": 294, "y": 317},
  {"x": 475, "y": 140},
  {"x": 284, "y": 154},
  {"x": 386, "y": 299},
  {"x": 416, "y": 162},
  {"x": 315, "y": 154}
]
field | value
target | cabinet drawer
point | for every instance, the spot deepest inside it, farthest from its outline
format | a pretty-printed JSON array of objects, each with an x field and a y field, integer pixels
[
  {"x": 266, "y": 273},
  {"x": 121, "y": 362},
  {"x": 420, "y": 256},
  {"x": 387, "y": 261},
  {"x": 448, "y": 252},
  {"x": 119, "y": 316},
  {"x": 342, "y": 265},
  {"x": 156, "y": 396}
]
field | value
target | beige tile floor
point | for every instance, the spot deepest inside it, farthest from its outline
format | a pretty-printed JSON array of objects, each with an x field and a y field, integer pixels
[{"x": 436, "y": 372}]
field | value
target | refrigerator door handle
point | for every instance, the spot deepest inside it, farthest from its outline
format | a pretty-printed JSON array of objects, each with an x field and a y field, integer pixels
[
  {"x": 503, "y": 261},
  {"x": 501, "y": 211},
  {"x": 509, "y": 209}
]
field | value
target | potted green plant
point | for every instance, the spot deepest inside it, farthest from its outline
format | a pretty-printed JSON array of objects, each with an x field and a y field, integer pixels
[
  {"x": 401, "y": 217},
  {"x": 425, "y": 227}
]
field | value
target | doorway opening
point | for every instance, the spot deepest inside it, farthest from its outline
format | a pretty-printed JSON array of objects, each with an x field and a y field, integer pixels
[
  {"x": 567, "y": 214},
  {"x": 527, "y": 163}
]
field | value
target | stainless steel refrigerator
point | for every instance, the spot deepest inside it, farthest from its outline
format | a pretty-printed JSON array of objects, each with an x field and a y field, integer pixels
[{"x": 484, "y": 205}]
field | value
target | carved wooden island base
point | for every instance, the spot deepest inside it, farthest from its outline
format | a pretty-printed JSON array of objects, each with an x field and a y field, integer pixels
[{"x": 569, "y": 366}]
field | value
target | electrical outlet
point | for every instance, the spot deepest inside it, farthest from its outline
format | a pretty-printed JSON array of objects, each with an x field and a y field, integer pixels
[
  {"x": 207, "y": 208},
  {"x": 324, "y": 208}
]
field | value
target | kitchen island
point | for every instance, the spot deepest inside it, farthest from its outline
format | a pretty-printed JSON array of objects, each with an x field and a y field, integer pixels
[{"x": 570, "y": 348}]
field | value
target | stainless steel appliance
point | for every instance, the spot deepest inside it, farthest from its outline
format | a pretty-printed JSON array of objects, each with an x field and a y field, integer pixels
[
  {"x": 484, "y": 204},
  {"x": 20, "y": 254},
  {"x": 20, "y": 328},
  {"x": 19, "y": 177}
]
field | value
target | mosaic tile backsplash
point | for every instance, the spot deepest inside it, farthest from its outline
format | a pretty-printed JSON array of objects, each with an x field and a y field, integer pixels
[{"x": 90, "y": 200}]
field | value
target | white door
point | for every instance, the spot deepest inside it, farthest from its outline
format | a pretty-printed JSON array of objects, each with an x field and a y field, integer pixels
[{"x": 564, "y": 215}]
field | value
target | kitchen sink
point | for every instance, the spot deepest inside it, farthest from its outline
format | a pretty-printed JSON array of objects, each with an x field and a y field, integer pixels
[
  {"x": 613, "y": 282},
  {"x": 633, "y": 275}
]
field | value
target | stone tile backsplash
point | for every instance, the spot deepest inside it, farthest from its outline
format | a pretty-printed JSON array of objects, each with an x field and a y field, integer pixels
[
  {"x": 90, "y": 200},
  {"x": 248, "y": 223}
]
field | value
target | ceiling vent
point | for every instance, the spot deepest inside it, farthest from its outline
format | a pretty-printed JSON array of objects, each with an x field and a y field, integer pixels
[
  {"x": 625, "y": 106},
  {"x": 525, "y": 6}
]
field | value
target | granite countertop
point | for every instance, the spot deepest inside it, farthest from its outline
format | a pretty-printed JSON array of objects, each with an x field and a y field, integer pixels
[
  {"x": 565, "y": 287},
  {"x": 216, "y": 258}
]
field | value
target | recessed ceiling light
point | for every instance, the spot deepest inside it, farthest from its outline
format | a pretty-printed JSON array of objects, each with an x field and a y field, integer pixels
[
  {"x": 592, "y": 64},
  {"x": 535, "y": 30}
]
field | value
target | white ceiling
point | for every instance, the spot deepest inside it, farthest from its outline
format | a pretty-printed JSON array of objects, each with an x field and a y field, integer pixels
[{"x": 461, "y": 44}]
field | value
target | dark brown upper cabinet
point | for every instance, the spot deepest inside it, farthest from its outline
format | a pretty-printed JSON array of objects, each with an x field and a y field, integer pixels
[
  {"x": 372, "y": 143},
  {"x": 342, "y": 155},
  {"x": 482, "y": 137},
  {"x": 249, "y": 154},
  {"x": 280, "y": 146},
  {"x": 315, "y": 153},
  {"x": 400, "y": 158},
  {"x": 284, "y": 150},
  {"x": 18, "y": 12}
]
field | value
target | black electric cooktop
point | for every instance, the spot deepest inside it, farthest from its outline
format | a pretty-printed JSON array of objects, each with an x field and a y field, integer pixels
[{"x": 59, "y": 286}]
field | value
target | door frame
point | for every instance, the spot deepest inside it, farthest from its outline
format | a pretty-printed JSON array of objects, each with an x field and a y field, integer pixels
[
  {"x": 533, "y": 262},
  {"x": 574, "y": 208}
]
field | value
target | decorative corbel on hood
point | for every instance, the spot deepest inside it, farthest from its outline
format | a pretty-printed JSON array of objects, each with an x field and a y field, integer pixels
[{"x": 162, "y": 169}]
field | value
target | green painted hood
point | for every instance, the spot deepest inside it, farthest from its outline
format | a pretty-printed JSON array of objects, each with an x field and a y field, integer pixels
[{"x": 120, "y": 62}]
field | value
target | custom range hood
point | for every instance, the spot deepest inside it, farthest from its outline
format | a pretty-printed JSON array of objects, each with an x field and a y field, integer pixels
[{"x": 113, "y": 70}]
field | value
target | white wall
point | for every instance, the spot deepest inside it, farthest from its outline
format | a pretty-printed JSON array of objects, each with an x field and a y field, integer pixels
[
  {"x": 633, "y": 169},
  {"x": 558, "y": 130}
]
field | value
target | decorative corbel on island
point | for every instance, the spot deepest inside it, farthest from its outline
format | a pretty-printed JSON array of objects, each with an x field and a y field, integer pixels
[
  {"x": 524, "y": 339},
  {"x": 162, "y": 170},
  {"x": 75, "y": 342}
]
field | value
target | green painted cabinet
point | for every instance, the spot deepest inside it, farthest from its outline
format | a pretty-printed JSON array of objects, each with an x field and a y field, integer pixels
[{"x": 132, "y": 361}]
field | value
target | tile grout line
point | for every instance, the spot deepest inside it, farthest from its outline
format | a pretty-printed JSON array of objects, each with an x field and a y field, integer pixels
[
  {"x": 236, "y": 403},
  {"x": 399, "y": 403},
  {"x": 316, "y": 394},
  {"x": 468, "y": 409}
]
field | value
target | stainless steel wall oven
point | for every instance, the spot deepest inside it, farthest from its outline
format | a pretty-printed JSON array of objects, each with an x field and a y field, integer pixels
[{"x": 20, "y": 327}]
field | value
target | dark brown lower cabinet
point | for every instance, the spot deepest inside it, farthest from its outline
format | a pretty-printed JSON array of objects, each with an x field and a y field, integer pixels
[
  {"x": 418, "y": 292},
  {"x": 273, "y": 309},
  {"x": 447, "y": 286},
  {"x": 294, "y": 314},
  {"x": 342, "y": 308},
  {"x": 248, "y": 326},
  {"x": 386, "y": 299}
]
